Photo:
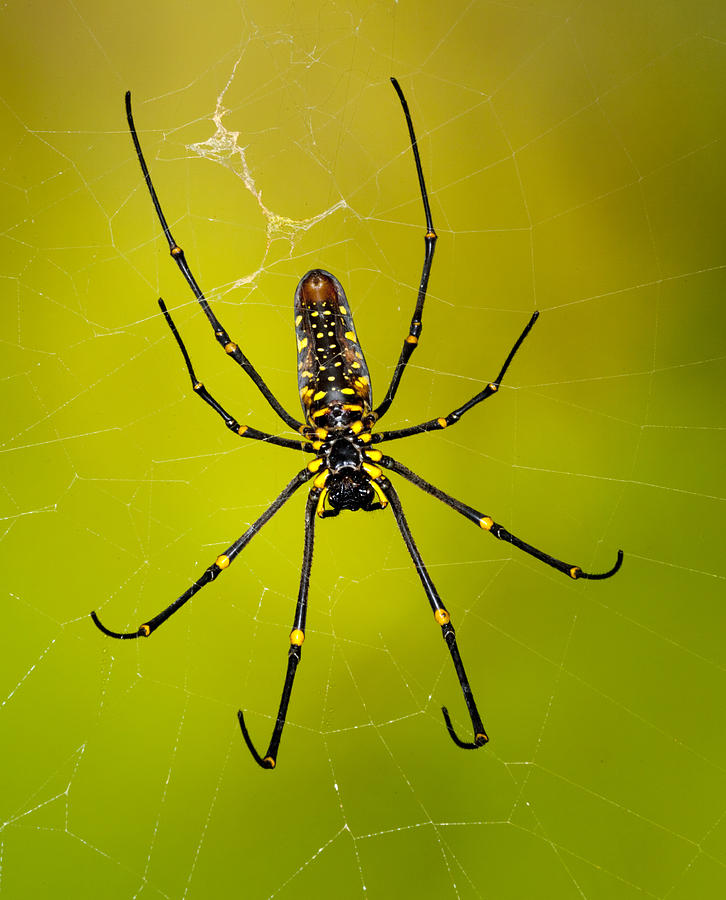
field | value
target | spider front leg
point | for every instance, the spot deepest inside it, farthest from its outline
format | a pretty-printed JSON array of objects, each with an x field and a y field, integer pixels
[
  {"x": 221, "y": 563},
  {"x": 297, "y": 636},
  {"x": 494, "y": 528},
  {"x": 444, "y": 619}
]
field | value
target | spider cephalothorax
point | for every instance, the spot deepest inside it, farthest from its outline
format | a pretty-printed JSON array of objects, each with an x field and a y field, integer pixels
[
  {"x": 346, "y": 471},
  {"x": 350, "y": 489},
  {"x": 346, "y": 476}
]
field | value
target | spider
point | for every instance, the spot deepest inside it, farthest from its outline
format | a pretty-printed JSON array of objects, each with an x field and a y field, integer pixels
[{"x": 347, "y": 471}]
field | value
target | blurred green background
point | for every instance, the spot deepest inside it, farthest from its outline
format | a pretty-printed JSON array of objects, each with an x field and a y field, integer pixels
[{"x": 574, "y": 155}]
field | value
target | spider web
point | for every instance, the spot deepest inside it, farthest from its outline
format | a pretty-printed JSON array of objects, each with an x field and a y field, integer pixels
[{"x": 573, "y": 153}]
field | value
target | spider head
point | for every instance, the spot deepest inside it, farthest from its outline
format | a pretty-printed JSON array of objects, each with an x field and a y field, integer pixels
[{"x": 349, "y": 489}]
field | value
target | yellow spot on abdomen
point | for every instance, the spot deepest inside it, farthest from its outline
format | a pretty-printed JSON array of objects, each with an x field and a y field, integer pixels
[
  {"x": 230, "y": 347},
  {"x": 486, "y": 522},
  {"x": 442, "y": 616},
  {"x": 222, "y": 561},
  {"x": 297, "y": 637}
]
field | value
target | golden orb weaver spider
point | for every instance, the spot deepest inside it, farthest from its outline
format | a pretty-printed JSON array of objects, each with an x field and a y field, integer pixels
[{"x": 346, "y": 471}]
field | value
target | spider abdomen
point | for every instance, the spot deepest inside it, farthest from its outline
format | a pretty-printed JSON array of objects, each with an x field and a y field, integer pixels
[{"x": 333, "y": 379}]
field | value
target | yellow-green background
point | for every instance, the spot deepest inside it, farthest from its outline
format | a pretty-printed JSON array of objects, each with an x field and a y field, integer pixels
[{"x": 575, "y": 158}]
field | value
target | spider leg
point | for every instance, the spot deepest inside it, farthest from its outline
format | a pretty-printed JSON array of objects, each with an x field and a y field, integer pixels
[
  {"x": 411, "y": 340},
  {"x": 453, "y": 417},
  {"x": 297, "y": 636},
  {"x": 178, "y": 256},
  {"x": 443, "y": 618},
  {"x": 488, "y": 524},
  {"x": 221, "y": 563},
  {"x": 231, "y": 423}
]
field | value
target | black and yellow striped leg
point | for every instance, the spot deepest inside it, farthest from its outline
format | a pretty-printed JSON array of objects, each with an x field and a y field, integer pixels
[
  {"x": 455, "y": 415},
  {"x": 442, "y": 617},
  {"x": 178, "y": 256},
  {"x": 200, "y": 390},
  {"x": 297, "y": 636},
  {"x": 488, "y": 524},
  {"x": 414, "y": 331},
  {"x": 221, "y": 563}
]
